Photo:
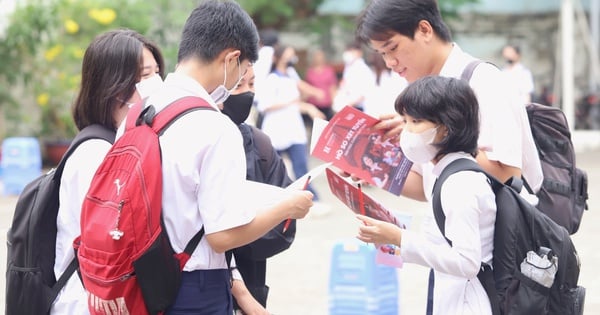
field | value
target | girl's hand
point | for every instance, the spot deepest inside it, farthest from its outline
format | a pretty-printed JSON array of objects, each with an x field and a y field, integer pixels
[{"x": 378, "y": 232}]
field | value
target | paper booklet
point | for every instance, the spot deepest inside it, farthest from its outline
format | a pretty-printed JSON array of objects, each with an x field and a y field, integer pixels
[
  {"x": 349, "y": 142},
  {"x": 361, "y": 203}
]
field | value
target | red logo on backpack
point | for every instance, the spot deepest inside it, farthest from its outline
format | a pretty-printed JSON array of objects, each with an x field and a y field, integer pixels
[{"x": 126, "y": 261}]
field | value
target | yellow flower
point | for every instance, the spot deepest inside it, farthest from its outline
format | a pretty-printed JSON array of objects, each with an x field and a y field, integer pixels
[
  {"x": 71, "y": 26},
  {"x": 43, "y": 99},
  {"x": 51, "y": 53},
  {"x": 78, "y": 53},
  {"x": 103, "y": 16}
]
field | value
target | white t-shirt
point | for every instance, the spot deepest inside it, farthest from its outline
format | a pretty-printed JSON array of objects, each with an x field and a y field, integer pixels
[
  {"x": 357, "y": 81},
  {"x": 504, "y": 135},
  {"x": 204, "y": 169},
  {"x": 380, "y": 100},
  {"x": 74, "y": 184},
  {"x": 284, "y": 125},
  {"x": 522, "y": 80},
  {"x": 468, "y": 202}
]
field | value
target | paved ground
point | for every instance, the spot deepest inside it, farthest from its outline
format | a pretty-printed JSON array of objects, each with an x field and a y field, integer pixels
[{"x": 299, "y": 277}]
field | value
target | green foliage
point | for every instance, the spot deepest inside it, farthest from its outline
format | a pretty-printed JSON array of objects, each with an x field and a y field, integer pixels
[
  {"x": 449, "y": 8},
  {"x": 42, "y": 50}
]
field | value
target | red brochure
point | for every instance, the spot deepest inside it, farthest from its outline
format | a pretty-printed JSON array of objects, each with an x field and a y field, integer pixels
[{"x": 350, "y": 143}]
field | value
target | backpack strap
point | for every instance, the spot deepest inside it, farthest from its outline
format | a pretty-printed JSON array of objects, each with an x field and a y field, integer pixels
[
  {"x": 60, "y": 283},
  {"x": 485, "y": 275},
  {"x": 166, "y": 117},
  {"x": 94, "y": 131},
  {"x": 436, "y": 202},
  {"x": 469, "y": 69}
]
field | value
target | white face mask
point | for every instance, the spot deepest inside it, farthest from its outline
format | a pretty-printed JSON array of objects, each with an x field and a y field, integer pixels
[
  {"x": 149, "y": 86},
  {"x": 221, "y": 93},
  {"x": 418, "y": 147}
]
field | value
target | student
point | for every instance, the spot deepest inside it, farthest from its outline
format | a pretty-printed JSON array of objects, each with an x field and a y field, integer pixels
[
  {"x": 264, "y": 165},
  {"x": 518, "y": 74},
  {"x": 357, "y": 79},
  {"x": 414, "y": 42},
  {"x": 108, "y": 84},
  {"x": 282, "y": 108},
  {"x": 441, "y": 117},
  {"x": 204, "y": 180}
]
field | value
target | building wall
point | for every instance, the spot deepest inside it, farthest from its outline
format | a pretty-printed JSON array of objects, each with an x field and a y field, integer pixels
[{"x": 538, "y": 36}]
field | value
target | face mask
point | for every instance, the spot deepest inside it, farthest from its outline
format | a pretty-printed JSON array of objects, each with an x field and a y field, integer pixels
[
  {"x": 237, "y": 107},
  {"x": 221, "y": 93},
  {"x": 418, "y": 147},
  {"x": 510, "y": 61},
  {"x": 348, "y": 57},
  {"x": 149, "y": 86},
  {"x": 293, "y": 61}
]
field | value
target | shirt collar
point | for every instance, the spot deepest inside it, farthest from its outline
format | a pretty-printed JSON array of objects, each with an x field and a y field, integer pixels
[
  {"x": 190, "y": 86},
  {"x": 456, "y": 62}
]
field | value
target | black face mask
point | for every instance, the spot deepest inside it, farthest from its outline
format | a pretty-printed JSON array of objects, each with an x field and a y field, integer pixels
[
  {"x": 237, "y": 107},
  {"x": 510, "y": 61}
]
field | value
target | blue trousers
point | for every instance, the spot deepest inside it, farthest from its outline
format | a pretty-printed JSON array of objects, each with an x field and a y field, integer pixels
[{"x": 204, "y": 292}]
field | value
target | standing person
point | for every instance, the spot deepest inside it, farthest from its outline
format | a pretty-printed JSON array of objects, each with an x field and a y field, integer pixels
[
  {"x": 108, "y": 85},
  {"x": 415, "y": 42},
  {"x": 322, "y": 76},
  {"x": 518, "y": 74},
  {"x": 357, "y": 79},
  {"x": 442, "y": 125},
  {"x": 388, "y": 84},
  {"x": 263, "y": 165},
  {"x": 282, "y": 109},
  {"x": 204, "y": 182}
]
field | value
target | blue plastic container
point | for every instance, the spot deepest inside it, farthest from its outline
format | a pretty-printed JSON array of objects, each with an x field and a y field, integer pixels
[
  {"x": 21, "y": 163},
  {"x": 357, "y": 285}
]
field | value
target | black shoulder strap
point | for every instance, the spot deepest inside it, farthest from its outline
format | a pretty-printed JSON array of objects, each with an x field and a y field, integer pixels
[
  {"x": 469, "y": 69},
  {"x": 436, "y": 202},
  {"x": 60, "y": 283},
  {"x": 485, "y": 275},
  {"x": 90, "y": 132}
]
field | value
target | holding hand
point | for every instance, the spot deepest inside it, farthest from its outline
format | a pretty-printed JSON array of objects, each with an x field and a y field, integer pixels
[
  {"x": 301, "y": 201},
  {"x": 378, "y": 232},
  {"x": 392, "y": 124}
]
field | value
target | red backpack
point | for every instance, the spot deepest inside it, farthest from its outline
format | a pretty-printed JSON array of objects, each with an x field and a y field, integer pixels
[{"x": 126, "y": 261}]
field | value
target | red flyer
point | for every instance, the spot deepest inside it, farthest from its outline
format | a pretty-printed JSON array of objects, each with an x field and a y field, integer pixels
[
  {"x": 352, "y": 197},
  {"x": 350, "y": 143}
]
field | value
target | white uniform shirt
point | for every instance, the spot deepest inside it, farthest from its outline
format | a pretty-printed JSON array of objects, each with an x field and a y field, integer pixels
[
  {"x": 504, "y": 135},
  {"x": 284, "y": 125},
  {"x": 357, "y": 81},
  {"x": 468, "y": 202},
  {"x": 522, "y": 80},
  {"x": 204, "y": 169},
  {"x": 382, "y": 96},
  {"x": 74, "y": 184}
]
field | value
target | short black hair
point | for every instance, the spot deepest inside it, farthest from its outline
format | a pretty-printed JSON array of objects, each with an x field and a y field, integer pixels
[
  {"x": 381, "y": 18},
  {"x": 446, "y": 101},
  {"x": 215, "y": 26}
]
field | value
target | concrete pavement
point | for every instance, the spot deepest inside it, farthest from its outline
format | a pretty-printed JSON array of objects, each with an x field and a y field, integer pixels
[{"x": 299, "y": 277}]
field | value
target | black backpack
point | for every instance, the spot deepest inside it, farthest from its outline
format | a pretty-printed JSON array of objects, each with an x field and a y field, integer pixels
[
  {"x": 563, "y": 195},
  {"x": 31, "y": 286},
  {"x": 521, "y": 228}
]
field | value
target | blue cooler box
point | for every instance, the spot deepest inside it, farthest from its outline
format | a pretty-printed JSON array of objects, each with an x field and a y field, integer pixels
[
  {"x": 21, "y": 163},
  {"x": 360, "y": 286}
]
